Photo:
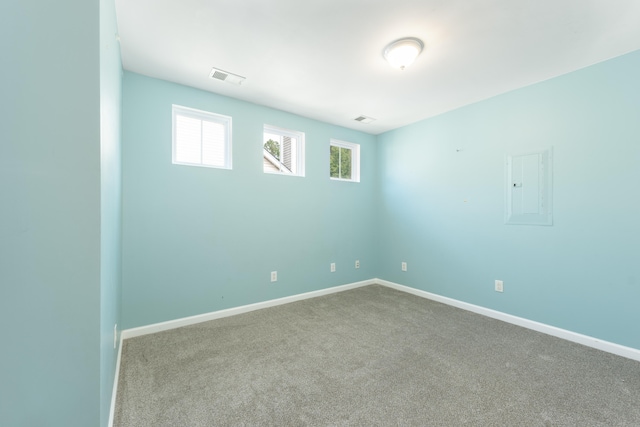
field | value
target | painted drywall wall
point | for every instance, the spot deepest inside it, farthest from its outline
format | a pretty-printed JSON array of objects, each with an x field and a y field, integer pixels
[
  {"x": 110, "y": 200},
  {"x": 441, "y": 184},
  {"x": 50, "y": 213},
  {"x": 197, "y": 239}
]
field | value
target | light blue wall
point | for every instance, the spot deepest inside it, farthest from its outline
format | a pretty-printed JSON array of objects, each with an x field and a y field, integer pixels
[
  {"x": 110, "y": 200},
  {"x": 199, "y": 239},
  {"x": 442, "y": 211},
  {"x": 49, "y": 213}
]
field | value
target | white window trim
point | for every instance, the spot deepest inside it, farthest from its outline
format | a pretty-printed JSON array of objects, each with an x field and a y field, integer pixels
[
  {"x": 355, "y": 159},
  {"x": 205, "y": 116},
  {"x": 299, "y": 136}
]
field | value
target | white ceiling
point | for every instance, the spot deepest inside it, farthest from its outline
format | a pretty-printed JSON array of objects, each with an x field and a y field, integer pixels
[{"x": 323, "y": 58}]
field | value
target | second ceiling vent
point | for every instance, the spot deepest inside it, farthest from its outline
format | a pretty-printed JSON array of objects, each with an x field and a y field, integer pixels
[
  {"x": 364, "y": 119},
  {"x": 225, "y": 76}
]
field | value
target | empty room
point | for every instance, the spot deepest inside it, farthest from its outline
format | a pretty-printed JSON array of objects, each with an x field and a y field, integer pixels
[{"x": 323, "y": 213}]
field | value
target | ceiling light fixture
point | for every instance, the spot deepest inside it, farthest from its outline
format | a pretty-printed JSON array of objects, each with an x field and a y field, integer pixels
[{"x": 401, "y": 53}]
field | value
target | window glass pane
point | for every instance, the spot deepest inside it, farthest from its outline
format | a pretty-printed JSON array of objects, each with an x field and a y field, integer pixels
[
  {"x": 286, "y": 153},
  {"x": 201, "y": 138},
  {"x": 213, "y": 147},
  {"x": 345, "y": 163},
  {"x": 283, "y": 151},
  {"x": 188, "y": 139},
  {"x": 334, "y": 162},
  {"x": 344, "y": 160}
]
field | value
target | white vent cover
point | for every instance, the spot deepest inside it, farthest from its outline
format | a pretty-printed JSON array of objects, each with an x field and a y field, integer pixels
[
  {"x": 364, "y": 119},
  {"x": 226, "y": 76}
]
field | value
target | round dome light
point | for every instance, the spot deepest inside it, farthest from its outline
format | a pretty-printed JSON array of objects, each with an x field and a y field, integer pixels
[{"x": 401, "y": 53}]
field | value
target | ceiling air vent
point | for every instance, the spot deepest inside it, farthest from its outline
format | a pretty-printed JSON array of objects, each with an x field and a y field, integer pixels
[
  {"x": 364, "y": 119},
  {"x": 226, "y": 76}
]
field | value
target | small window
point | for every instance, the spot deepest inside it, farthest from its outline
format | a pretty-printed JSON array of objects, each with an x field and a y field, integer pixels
[
  {"x": 344, "y": 161},
  {"x": 201, "y": 138},
  {"x": 283, "y": 151}
]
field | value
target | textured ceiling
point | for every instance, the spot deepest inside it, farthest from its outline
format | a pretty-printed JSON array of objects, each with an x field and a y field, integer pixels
[{"x": 323, "y": 59}]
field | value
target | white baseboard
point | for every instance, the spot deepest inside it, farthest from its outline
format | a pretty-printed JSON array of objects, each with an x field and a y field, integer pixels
[
  {"x": 192, "y": 320},
  {"x": 620, "y": 350},
  {"x": 114, "y": 392}
]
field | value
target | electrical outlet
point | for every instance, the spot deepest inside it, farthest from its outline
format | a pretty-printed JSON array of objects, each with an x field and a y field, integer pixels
[
  {"x": 115, "y": 335},
  {"x": 499, "y": 286},
  {"x": 357, "y": 263},
  {"x": 404, "y": 266},
  {"x": 274, "y": 276},
  {"x": 333, "y": 267}
]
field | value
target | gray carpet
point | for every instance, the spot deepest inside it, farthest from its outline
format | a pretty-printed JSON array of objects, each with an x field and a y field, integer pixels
[{"x": 371, "y": 356}]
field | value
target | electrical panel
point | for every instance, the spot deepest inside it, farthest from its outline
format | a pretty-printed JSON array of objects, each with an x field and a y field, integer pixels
[{"x": 528, "y": 188}]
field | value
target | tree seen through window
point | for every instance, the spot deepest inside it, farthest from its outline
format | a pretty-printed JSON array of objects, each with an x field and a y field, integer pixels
[{"x": 340, "y": 162}]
